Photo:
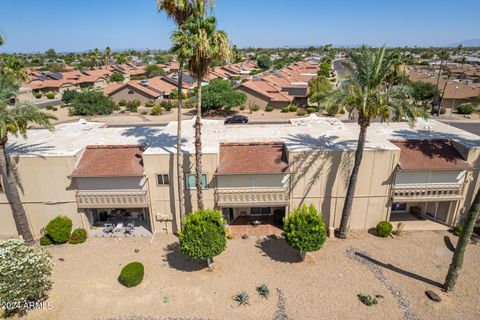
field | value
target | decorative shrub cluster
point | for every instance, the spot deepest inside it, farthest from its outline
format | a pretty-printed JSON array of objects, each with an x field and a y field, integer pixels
[
  {"x": 59, "y": 229},
  {"x": 384, "y": 229},
  {"x": 78, "y": 235},
  {"x": 466, "y": 108},
  {"x": 24, "y": 273},
  {"x": 132, "y": 274}
]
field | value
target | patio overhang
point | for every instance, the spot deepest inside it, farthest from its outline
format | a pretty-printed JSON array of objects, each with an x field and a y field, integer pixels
[
  {"x": 253, "y": 197},
  {"x": 427, "y": 192},
  {"x": 112, "y": 199}
]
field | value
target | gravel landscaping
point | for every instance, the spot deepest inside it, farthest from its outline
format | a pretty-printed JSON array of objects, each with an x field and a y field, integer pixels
[{"x": 324, "y": 286}]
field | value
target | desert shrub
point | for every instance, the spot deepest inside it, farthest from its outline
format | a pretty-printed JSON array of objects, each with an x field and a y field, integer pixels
[
  {"x": 90, "y": 103},
  {"x": 466, "y": 108},
  {"x": 457, "y": 230},
  {"x": 167, "y": 105},
  {"x": 305, "y": 230},
  {"x": 156, "y": 110},
  {"x": 268, "y": 108},
  {"x": 301, "y": 113},
  {"x": 49, "y": 107},
  {"x": 78, "y": 235},
  {"x": 116, "y": 107},
  {"x": 122, "y": 103},
  {"x": 50, "y": 95},
  {"x": 443, "y": 110},
  {"x": 285, "y": 109},
  {"x": 263, "y": 291},
  {"x": 292, "y": 108},
  {"x": 68, "y": 96},
  {"x": 117, "y": 77},
  {"x": 242, "y": 107},
  {"x": 132, "y": 274},
  {"x": 54, "y": 109},
  {"x": 255, "y": 107},
  {"x": 45, "y": 241},
  {"x": 149, "y": 104},
  {"x": 384, "y": 229},
  {"x": 38, "y": 95},
  {"x": 242, "y": 298},
  {"x": 133, "y": 105},
  {"x": 122, "y": 110},
  {"x": 59, "y": 229},
  {"x": 367, "y": 299},
  {"x": 203, "y": 235},
  {"x": 24, "y": 274},
  {"x": 311, "y": 110},
  {"x": 144, "y": 112}
]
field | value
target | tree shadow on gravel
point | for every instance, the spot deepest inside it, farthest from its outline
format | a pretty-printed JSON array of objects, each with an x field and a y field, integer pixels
[
  {"x": 448, "y": 243},
  {"x": 277, "y": 249},
  {"x": 177, "y": 260},
  {"x": 400, "y": 271}
]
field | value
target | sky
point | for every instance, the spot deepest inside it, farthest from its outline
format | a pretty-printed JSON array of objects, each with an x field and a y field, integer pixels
[{"x": 35, "y": 26}]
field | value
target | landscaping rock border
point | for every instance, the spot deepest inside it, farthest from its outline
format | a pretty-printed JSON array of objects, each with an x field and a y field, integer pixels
[{"x": 281, "y": 311}]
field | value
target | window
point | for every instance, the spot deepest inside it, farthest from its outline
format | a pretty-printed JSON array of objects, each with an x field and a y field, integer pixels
[
  {"x": 399, "y": 206},
  {"x": 260, "y": 211},
  {"x": 162, "y": 179},
  {"x": 190, "y": 181},
  {"x": 130, "y": 92}
]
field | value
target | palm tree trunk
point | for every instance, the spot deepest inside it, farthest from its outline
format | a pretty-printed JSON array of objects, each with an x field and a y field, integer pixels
[
  {"x": 179, "y": 144},
  {"x": 198, "y": 145},
  {"x": 435, "y": 101},
  {"x": 347, "y": 207},
  {"x": 11, "y": 192},
  {"x": 457, "y": 260}
]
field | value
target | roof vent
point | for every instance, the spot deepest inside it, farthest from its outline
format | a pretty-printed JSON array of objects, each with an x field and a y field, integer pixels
[{"x": 144, "y": 82}]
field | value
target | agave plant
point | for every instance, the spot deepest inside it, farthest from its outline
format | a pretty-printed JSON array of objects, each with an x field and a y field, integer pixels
[
  {"x": 367, "y": 299},
  {"x": 242, "y": 298},
  {"x": 263, "y": 291}
]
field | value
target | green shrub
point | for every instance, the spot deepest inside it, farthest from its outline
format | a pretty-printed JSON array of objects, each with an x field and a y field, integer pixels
[
  {"x": 49, "y": 107},
  {"x": 91, "y": 103},
  {"x": 117, "y": 77},
  {"x": 255, "y": 107},
  {"x": 443, "y": 110},
  {"x": 167, "y": 105},
  {"x": 59, "y": 229},
  {"x": 122, "y": 103},
  {"x": 311, "y": 110},
  {"x": 304, "y": 229},
  {"x": 285, "y": 109},
  {"x": 68, "y": 96},
  {"x": 50, "y": 95},
  {"x": 45, "y": 241},
  {"x": 293, "y": 108},
  {"x": 38, "y": 95},
  {"x": 156, "y": 110},
  {"x": 384, "y": 229},
  {"x": 144, "y": 113},
  {"x": 366, "y": 299},
  {"x": 242, "y": 107},
  {"x": 78, "y": 235},
  {"x": 133, "y": 105},
  {"x": 203, "y": 235},
  {"x": 263, "y": 291},
  {"x": 149, "y": 104},
  {"x": 457, "y": 230},
  {"x": 466, "y": 108},
  {"x": 54, "y": 109},
  {"x": 301, "y": 113},
  {"x": 132, "y": 274},
  {"x": 242, "y": 298},
  {"x": 268, "y": 108},
  {"x": 116, "y": 107}
]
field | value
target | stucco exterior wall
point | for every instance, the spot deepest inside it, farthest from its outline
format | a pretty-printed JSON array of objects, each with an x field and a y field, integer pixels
[{"x": 123, "y": 94}]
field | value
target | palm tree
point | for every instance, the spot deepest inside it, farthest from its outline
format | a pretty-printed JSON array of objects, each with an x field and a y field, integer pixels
[
  {"x": 107, "y": 56},
  {"x": 199, "y": 38},
  {"x": 15, "y": 120},
  {"x": 1, "y": 41},
  {"x": 369, "y": 96},
  {"x": 442, "y": 55},
  {"x": 319, "y": 88},
  {"x": 179, "y": 11}
]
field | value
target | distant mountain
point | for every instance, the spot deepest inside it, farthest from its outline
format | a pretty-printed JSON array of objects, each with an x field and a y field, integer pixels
[{"x": 467, "y": 43}]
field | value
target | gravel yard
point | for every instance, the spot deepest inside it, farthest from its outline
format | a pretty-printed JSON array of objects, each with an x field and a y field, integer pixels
[{"x": 325, "y": 286}]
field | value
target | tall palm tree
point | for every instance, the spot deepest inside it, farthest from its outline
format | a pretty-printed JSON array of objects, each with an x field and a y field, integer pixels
[
  {"x": 368, "y": 96},
  {"x": 464, "y": 239},
  {"x": 443, "y": 55},
  {"x": 107, "y": 56},
  {"x": 199, "y": 37},
  {"x": 15, "y": 120},
  {"x": 179, "y": 11}
]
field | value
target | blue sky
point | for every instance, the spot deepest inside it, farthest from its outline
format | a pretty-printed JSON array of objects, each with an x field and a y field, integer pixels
[{"x": 33, "y": 25}]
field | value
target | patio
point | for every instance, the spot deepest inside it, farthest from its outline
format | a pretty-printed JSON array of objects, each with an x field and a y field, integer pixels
[
  {"x": 416, "y": 222},
  {"x": 120, "y": 230},
  {"x": 119, "y": 223},
  {"x": 257, "y": 226}
]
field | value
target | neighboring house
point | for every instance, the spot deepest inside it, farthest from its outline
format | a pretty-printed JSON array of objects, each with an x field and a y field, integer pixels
[
  {"x": 424, "y": 177},
  {"x": 153, "y": 89}
]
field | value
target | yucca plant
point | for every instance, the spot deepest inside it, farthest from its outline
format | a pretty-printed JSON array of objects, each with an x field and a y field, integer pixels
[
  {"x": 242, "y": 298},
  {"x": 263, "y": 291}
]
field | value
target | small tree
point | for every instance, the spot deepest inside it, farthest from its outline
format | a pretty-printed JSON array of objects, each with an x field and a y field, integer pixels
[
  {"x": 24, "y": 275},
  {"x": 264, "y": 61},
  {"x": 203, "y": 235},
  {"x": 117, "y": 77},
  {"x": 221, "y": 94},
  {"x": 90, "y": 103},
  {"x": 305, "y": 230},
  {"x": 68, "y": 96}
]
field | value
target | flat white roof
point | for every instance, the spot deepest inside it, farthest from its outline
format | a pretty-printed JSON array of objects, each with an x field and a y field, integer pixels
[{"x": 301, "y": 134}]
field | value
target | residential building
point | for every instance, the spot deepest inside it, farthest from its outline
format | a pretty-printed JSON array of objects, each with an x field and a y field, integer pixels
[
  {"x": 94, "y": 173},
  {"x": 153, "y": 89}
]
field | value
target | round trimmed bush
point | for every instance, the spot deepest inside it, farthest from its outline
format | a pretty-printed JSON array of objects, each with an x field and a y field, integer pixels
[
  {"x": 443, "y": 110},
  {"x": 311, "y": 110},
  {"x": 268, "y": 108},
  {"x": 59, "y": 229},
  {"x": 466, "y": 108},
  {"x": 293, "y": 108},
  {"x": 45, "y": 241},
  {"x": 78, "y": 236},
  {"x": 285, "y": 109},
  {"x": 50, "y": 95},
  {"x": 132, "y": 274},
  {"x": 384, "y": 229}
]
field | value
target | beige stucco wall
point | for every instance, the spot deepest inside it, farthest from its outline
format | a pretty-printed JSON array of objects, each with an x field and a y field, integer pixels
[
  {"x": 123, "y": 94},
  {"x": 252, "y": 180}
]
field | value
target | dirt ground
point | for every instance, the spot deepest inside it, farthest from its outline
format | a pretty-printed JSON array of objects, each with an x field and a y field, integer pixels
[{"x": 325, "y": 286}]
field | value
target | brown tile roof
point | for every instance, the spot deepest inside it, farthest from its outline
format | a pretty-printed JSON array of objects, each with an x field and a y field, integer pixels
[
  {"x": 429, "y": 155},
  {"x": 238, "y": 158},
  {"x": 110, "y": 161}
]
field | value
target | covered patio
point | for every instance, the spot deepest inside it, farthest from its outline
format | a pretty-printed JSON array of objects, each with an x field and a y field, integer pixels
[
  {"x": 416, "y": 222},
  {"x": 255, "y": 225},
  {"x": 119, "y": 223}
]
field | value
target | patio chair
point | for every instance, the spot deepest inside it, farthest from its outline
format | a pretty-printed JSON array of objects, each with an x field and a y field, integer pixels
[
  {"x": 108, "y": 228},
  {"x": 118, "y": 227},
  {"x": 130, "y": 229}
]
